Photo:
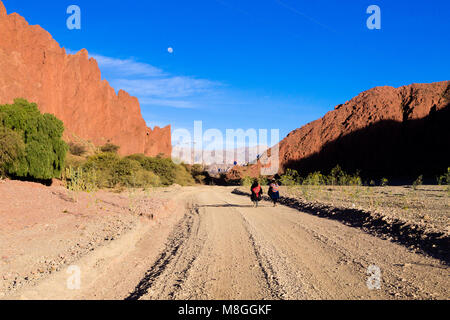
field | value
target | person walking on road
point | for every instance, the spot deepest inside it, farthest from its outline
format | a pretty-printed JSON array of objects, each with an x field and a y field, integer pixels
[
  {"x": 257, "y": 193},
  {"x": 274, "y": 192}
]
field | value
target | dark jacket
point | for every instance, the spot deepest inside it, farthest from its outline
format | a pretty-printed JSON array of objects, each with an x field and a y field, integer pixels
[{"x": 256, "y": 196}]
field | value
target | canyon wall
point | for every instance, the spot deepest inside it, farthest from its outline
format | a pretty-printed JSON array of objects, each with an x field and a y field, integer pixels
[{"x": 33, "y": 66}]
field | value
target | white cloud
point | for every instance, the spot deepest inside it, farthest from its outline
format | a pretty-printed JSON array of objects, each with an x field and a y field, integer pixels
[
  {"x": 180, "y": 104},
  {"x": 127, "y": 67},
  {"x": 170, "y": 87},
  {"x": 151, "y": 85}
]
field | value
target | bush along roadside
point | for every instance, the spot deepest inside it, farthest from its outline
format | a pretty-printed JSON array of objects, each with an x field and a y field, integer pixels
[
  {"x": 109, "y": 170},
  {"x": 31, "y": 145},
  {"x": 435, "y": 244}
]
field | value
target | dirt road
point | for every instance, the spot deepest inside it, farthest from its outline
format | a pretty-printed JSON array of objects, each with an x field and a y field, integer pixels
[{"x": 220, "y": 247}]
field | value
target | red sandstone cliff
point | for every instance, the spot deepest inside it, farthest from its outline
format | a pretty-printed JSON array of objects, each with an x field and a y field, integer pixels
[
  {"x": 33, "y": 66},
  {"x": 399, "y": 132},
  {"x": 378, "y": 104}
]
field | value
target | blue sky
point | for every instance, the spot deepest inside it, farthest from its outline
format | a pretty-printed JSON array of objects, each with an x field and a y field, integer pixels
[{"x": 251, "y": 64}]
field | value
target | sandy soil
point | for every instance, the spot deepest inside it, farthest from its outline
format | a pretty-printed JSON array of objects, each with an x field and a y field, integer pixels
[
  {"x": 210, "y": 244},
  {"x": 427, "y": 205},
  {"x": 43, "y": 230}
]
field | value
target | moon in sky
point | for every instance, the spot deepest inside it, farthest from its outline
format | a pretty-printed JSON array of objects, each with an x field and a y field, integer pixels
[{"x": 170, "y": 50}]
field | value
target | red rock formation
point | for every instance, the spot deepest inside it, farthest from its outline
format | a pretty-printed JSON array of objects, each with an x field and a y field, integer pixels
[
  {"x": 33, "y": 66},
  {"x": 382, "y": 130},
  {"x": 378, "y": 104}
]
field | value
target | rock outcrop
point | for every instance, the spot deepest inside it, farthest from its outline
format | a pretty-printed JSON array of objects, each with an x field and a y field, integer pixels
[
  {"x": 33, "y": 66},
  {"x": 393, "y": 132}
]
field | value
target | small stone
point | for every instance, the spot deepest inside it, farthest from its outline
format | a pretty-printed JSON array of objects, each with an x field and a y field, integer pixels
[{"x": 406, "y": 265}]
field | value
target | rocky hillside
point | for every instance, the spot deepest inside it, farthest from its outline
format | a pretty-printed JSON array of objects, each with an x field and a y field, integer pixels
[
  {"x": 33, "y": 66},
  {"x": 394, "y": 132}
]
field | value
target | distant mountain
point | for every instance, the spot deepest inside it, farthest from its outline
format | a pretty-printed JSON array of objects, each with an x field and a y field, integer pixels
[
  {"x": 221, "y": 158},
  {"x": 33, "y": 66}
]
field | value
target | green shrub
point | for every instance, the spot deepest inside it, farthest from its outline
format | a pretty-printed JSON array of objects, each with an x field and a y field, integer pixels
[
  {"x": 77, "y": 179},
  {"x": 138, "y": 157},
  {"x": 102, "y": 161},
  {"x": 341, "y": 178},
  {"x": 384, "y": 182},
  {"x": 200, "y": 178},
  {"x": 124, "y": 172},
  {"x": 129, "y": 173},
  {"x": 103, "y": 164},
  {"x": 182, "y": 176},
  {"x": 337, "y": 176},
  {"x": 354, "y": 180},
  {"x": 199, "y": 173},
  {"x": 109, "y": 147},
  {"x": 418, "y": 182},
  {"x": 44, "y": 153},
  {"x": 136, "y": 171},
  {"x": 109, "y": 170},
  {"x": 197, "y": 169},
  {"x": 247, "y": 181},
  {"x": 77, "y": 149},
  {"x": 74, "y": 161},
  {"x": 11, "y": 148},
  {"x": 315, "y": 179},
  {"x": 445, "y": 178},
  {"x": 290, "y": 178},
  {"x": 162, "y": 167},
  {"x": 146, "y": 178},
  {"x": 263, "y": 181}
]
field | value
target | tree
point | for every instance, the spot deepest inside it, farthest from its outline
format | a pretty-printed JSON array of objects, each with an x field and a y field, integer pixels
[
  {"x": 44, "y": 150},
  {"x": 11, "y": 147}
]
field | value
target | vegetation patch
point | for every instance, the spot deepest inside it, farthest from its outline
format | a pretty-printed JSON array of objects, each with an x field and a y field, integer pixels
[
  {"x": 109, "y": 170},
  {"x": 31, "y": 145}
]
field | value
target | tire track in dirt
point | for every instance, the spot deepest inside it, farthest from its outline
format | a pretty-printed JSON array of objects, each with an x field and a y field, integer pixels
[
  {"x": 266, "y": 267},
  {"x": 175, "y": 248},
  {"x": 230, "y": 265},
  {"x": 347, "y": 250},
  {"x": 224, "y": 249},
  {"x": 282, "y": 280}
]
